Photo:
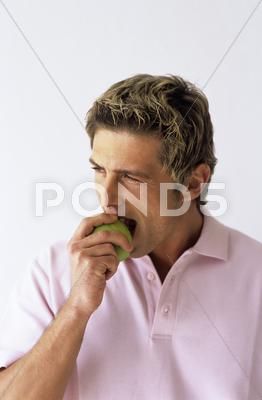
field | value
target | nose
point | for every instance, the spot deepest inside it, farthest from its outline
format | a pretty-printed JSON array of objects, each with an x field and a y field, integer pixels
[{"x": 109, "y": 200}]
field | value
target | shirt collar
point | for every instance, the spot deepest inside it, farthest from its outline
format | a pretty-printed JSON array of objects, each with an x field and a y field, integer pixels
[{"x": 213, "y": 240}]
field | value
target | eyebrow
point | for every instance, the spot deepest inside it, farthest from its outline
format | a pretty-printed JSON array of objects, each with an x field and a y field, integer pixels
[{"x": 124, "y": 171}]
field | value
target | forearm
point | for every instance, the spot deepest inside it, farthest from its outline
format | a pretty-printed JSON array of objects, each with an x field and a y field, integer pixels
[{"x": 43, "y": 373}]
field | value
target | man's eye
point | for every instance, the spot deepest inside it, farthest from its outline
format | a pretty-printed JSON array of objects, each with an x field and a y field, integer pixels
[
  {"x": 99, "y": 169},
  {"x": 132, "y": 179},
  {"x": 96, "y": 168}
]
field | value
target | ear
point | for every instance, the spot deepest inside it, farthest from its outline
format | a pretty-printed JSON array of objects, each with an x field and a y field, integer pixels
[{"x": 199, "y": 176}]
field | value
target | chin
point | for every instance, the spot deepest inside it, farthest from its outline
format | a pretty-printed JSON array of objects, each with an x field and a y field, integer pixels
[{"x": 137, "y": 254}]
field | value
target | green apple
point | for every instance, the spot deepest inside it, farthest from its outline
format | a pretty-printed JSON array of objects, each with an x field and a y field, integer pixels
[{"x": 117, "y": 226}]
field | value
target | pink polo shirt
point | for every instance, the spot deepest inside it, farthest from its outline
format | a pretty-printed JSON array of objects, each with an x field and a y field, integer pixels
[{"x": 196, "y": 337}]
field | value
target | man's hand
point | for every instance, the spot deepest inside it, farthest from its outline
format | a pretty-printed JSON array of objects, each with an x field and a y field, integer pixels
[{"x": 93, "y": 260}]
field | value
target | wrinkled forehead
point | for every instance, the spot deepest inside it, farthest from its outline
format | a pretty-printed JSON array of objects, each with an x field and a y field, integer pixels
[{"x": 122, "y": 149}]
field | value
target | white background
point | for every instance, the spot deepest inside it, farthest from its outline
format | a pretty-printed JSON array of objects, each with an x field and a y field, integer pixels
[{"x": 57, "y": 52}]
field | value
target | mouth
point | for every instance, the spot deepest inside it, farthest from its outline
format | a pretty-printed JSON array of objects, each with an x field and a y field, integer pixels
[{"x": 130, "y": 224}]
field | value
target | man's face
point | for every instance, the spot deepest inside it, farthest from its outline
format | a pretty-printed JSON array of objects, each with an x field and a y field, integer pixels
[{"x": 115, "y": 152}]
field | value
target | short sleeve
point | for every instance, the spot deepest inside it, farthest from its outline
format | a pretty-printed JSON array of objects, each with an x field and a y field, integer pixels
[{"x": 27, "y": 314}]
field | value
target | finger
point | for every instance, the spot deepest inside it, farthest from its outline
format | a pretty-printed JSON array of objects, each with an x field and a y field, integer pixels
[
  {"x": 96, "y": 238},
  {"x": 88, "y": 224},
  {"x": 104, "y": 264},
  {"x": 106, "y": 249}
]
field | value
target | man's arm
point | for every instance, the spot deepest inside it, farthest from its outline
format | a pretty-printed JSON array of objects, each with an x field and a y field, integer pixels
[{"x": 44, "y": 371}]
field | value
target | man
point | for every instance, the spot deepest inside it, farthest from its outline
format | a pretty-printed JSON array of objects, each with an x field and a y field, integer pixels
[{"x": 181, "y": 317}]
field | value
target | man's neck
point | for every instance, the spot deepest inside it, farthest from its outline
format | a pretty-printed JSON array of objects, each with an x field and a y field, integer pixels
[{"x": 188, "y": 232}]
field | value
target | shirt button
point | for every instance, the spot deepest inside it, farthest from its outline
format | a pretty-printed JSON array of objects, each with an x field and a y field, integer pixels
[
  {"x": 150, "y": 276},
  {"x": 166, "y": 309}
]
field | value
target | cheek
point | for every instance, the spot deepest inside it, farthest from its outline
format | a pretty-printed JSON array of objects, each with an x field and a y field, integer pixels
[
  {"x": 153, "y": 202},
  {"x": 136, "y": 191},
  {"x": 135, "y": 198},
  {"x": 174, "y": 199}
]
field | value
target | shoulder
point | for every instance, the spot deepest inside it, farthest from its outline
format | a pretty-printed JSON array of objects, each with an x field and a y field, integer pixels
[
  {"x": 241, "y": 242},
  {"x": 244, "y": 250}
]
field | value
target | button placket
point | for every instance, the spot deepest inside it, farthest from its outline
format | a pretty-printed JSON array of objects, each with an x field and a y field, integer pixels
[
  {"x": 166, "y": 309},
  {"x": 150, "y": 276},
  {"x": 165, "y": 315},
  {"x": 163, "y": 325}
]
